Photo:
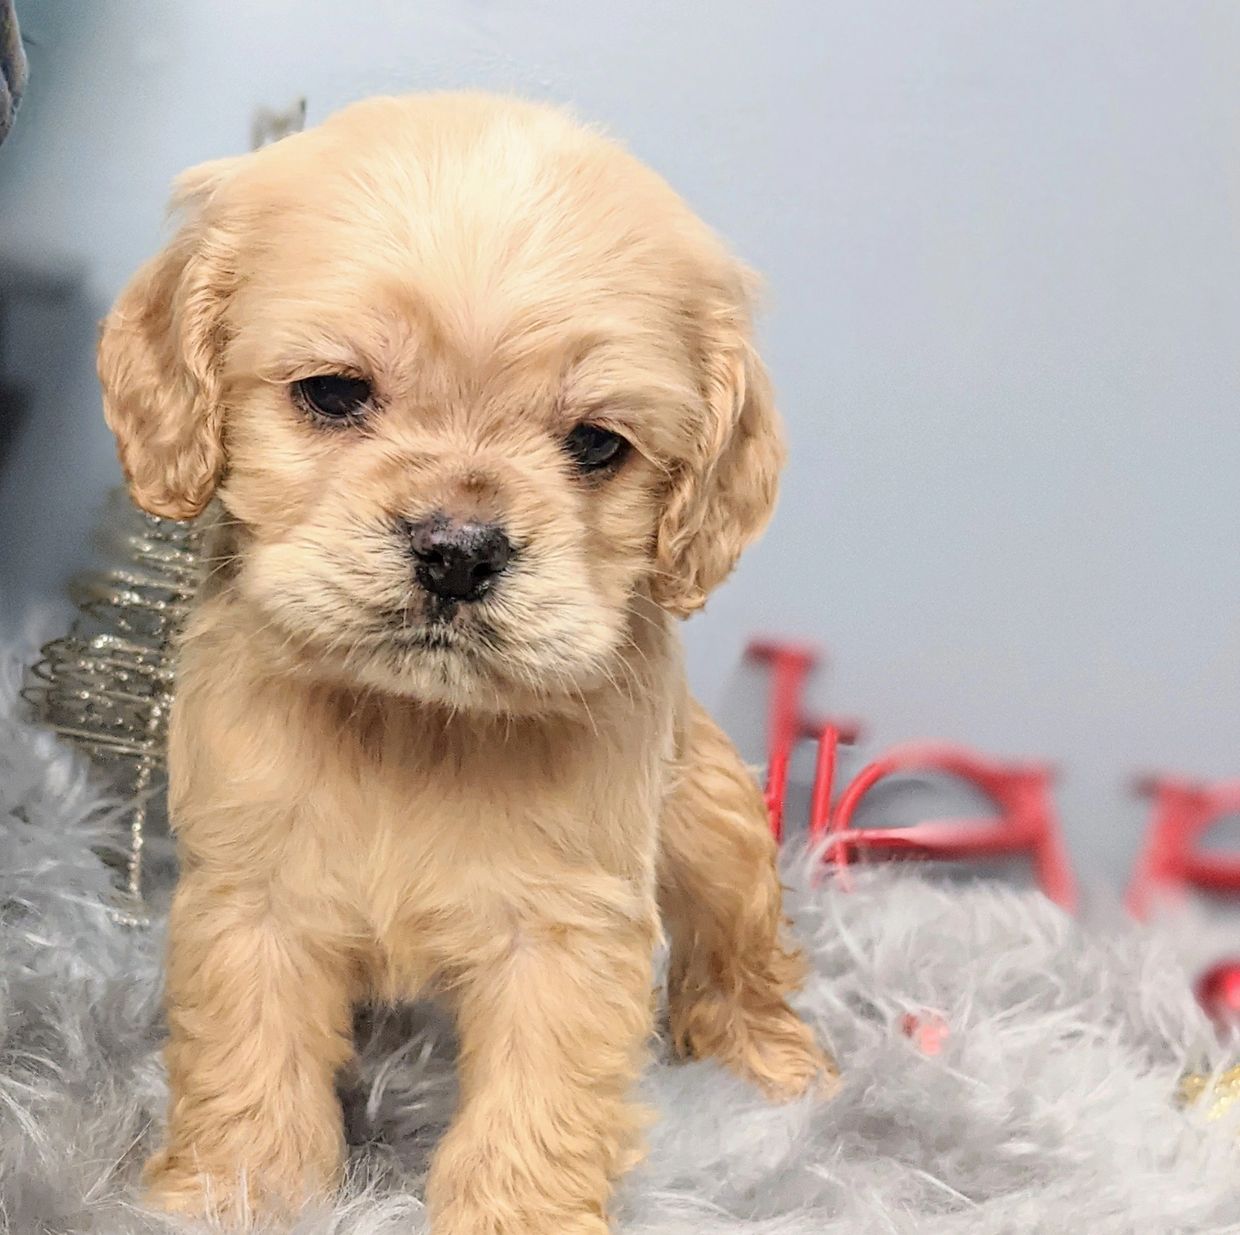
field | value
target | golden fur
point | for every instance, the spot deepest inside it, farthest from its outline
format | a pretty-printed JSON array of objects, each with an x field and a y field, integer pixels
[{"x": 498, "y": 812}]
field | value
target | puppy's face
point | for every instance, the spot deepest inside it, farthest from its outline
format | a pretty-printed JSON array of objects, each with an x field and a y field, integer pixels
[{"x": 474, "y": 389}]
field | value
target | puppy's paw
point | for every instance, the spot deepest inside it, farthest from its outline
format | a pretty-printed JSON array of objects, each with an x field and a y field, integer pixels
[
  {"x": 772, "y": 1047},
  {"x": 217, "y": 1198},
  {"x": 169, "y": 1187},
  {"x": 781, "y": 1057},
  {"x": 468, "y": 1220}
]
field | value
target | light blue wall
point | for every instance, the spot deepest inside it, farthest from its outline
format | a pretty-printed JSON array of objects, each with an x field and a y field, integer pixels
[{"x": 1003, "y": 252}]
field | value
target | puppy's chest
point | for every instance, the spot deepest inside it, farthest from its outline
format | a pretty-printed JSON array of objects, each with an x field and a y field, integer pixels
[
  {"x": 443, "y": 804},
  {"x": 457, "y": 847}
]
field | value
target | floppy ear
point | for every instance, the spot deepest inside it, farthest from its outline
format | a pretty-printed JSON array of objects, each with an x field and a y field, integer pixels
[
  {"x": 158, "y": 358},
  {"x": 723, "y": 496}
]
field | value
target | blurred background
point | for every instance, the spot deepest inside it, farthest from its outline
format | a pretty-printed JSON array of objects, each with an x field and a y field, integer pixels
[{"x": 1001, "y": 244}]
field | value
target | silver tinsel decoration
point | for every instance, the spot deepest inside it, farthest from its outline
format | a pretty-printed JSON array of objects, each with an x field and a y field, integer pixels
[{"x": 107, "y": 685}]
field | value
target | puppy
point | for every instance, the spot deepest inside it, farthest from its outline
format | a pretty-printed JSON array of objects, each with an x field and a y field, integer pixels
[{"x": 475, "y": 397}]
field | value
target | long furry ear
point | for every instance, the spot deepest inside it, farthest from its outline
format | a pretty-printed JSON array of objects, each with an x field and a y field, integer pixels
[
  {"x": 722, "y": 497},
  {"x": 158, "y": 358}
]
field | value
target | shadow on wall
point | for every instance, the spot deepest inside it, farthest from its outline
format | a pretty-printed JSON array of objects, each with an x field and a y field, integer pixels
[
  {"x": 56, "y": 455},
  {"x": 48, "y": 328}
]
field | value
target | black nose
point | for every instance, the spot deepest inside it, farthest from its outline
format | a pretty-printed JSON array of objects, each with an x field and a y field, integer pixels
[{"x": 458, "y": 561}]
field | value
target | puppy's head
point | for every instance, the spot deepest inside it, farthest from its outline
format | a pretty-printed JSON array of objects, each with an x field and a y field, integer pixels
[{"x": 472, "y": 385}]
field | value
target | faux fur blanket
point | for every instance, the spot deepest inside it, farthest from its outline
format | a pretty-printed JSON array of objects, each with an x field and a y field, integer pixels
[{"x": 1049, "y": 1107}]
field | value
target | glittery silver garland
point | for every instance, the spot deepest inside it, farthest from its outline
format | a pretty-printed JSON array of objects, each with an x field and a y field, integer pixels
[{"x": 107, "y": 685}]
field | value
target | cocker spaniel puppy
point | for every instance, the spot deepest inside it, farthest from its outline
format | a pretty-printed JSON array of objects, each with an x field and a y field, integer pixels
[{"x": 475, "y": 396}]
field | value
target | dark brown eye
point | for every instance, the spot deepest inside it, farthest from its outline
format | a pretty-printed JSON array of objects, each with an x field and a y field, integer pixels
[
  {"x": 592, "y": 448},
  {"x": 333, "y": 396}
]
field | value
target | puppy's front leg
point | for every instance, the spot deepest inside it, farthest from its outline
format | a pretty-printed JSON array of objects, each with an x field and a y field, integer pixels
[
  {"x": 258, "y": 1013},
  {"x": 730, "y": 972},
  {"x": 553, "y": 1034}
]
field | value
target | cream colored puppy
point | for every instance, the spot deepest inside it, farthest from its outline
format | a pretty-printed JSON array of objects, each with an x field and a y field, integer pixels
[{"x": 476, "y": 397}]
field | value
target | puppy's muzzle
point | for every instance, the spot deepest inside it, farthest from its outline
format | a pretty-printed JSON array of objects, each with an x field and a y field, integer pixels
[{"x": 458, "y": 561}]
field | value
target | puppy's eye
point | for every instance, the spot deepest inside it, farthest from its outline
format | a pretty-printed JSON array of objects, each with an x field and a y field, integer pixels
[
  {"x": 333, "y": 396},
  {"x": 592, "y": 448}
]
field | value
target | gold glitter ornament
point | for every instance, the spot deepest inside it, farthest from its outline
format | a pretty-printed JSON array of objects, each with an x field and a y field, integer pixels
[
  {"x": 1221, "y": 1090},
  {"x": 106, "y": 686}
]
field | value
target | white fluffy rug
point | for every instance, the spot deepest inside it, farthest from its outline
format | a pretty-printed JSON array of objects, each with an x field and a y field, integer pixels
[{"x": 1049, "y": 1109}]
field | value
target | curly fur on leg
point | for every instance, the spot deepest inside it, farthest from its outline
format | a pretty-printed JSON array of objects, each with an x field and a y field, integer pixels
[{"x": 730, "y": 972}]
